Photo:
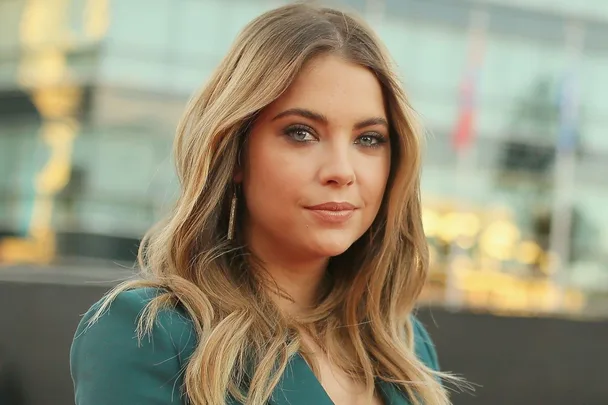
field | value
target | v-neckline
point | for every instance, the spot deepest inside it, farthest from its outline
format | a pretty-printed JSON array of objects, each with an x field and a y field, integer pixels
[{"x": 299, "y": 384}]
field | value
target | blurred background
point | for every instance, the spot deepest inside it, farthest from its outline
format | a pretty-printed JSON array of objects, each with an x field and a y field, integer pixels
[{"x": 515, "y": 181}]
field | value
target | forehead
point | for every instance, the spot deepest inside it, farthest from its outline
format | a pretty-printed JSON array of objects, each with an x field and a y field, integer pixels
[{"x": 335, "y": 87}]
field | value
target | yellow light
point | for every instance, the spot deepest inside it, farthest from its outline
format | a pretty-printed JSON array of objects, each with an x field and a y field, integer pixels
[
  {"x": 431, "y": 222},
  {"x": 498, "y": 239},
  {"x": 455, "y": 224},
  {"x": 57, "y": 102},
  {"x": 528, "y": 252},
  {"x": 46, "y": 67},
  {"x": 96, "y": 19},
  {"x": 44, "y": 23}
]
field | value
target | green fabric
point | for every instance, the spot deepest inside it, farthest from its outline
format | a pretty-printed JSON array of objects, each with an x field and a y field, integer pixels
[{"x": 110, "y": 366}]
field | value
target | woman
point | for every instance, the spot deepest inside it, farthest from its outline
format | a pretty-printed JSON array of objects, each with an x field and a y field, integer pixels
[{"x": 289, "y": 268}]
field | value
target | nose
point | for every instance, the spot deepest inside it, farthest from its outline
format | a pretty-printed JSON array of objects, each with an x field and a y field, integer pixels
[{"x": 337, "y": 168}]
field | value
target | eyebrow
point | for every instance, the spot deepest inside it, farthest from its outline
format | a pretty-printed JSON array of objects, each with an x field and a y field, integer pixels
[{"x": 315, "y": 116}]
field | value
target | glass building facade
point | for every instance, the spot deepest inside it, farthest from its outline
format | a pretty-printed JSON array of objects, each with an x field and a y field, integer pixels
[{"x": 91, "y": 91}]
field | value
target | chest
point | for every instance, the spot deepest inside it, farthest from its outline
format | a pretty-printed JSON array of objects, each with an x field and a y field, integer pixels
[
  {"x": 299, "y": 385},
  {"x": 340, "y": 387}
]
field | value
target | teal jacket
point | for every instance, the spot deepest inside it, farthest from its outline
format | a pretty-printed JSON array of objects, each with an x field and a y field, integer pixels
[{"x": 109, "y": 367}]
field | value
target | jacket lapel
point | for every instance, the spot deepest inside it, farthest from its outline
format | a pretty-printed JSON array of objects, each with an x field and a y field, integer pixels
[{"x": 299, "y": 386}]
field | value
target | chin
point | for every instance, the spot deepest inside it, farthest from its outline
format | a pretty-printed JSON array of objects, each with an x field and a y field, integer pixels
[{"x": 330, "y": 247}]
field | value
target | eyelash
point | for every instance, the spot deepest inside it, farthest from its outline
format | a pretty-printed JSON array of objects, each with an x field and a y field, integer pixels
[
  {"x": 378, "y": 138},
  {"x": 291, "y": 130}
]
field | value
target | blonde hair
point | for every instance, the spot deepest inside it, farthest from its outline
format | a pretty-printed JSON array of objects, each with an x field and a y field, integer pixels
[{"x": 363, "y": 319}]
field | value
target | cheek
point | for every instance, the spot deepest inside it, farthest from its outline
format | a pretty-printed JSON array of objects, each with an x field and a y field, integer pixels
[
  {"x": 372, "y": 179},
  {"x": 272, "y": 177}
]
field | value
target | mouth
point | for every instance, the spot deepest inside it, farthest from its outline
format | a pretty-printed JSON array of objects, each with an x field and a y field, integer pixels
[
  {"x": 333, "y": 206},
  {"x": 333, "y": 212}
]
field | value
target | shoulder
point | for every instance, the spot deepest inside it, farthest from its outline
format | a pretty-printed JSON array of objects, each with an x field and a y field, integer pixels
[
  {"x": 423, "y": 344},
  {"x": 119, "y": 319},
  {"x": 110, "y": 362}
]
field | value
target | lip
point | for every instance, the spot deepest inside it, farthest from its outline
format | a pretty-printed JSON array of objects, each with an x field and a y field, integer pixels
[
  {"x": 333, "y": 212},
  {"x": 333, "y": 206}
]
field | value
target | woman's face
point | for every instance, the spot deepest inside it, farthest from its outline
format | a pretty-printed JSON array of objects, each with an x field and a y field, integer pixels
[{"x": 317, "y": 162}]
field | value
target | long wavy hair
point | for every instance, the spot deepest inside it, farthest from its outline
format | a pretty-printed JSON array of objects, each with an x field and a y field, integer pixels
[{"x": 362, "y": 319}]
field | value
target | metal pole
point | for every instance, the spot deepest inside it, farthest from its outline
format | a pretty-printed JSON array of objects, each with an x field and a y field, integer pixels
[{"x": 565, "y": 166}]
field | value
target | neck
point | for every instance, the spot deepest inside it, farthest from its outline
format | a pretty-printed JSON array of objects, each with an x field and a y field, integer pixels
[
  {"x": 298, "y": 285},
  {"x": 294, "y": 283}
]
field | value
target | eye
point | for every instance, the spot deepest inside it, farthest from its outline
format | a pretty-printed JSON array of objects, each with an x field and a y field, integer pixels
[
  {"x": 371, "y": 140},
  {"x": 300, "y": 133}
]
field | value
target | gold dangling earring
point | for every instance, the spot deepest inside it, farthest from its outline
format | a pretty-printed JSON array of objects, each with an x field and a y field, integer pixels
[{"x": 231, "y": 221}]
